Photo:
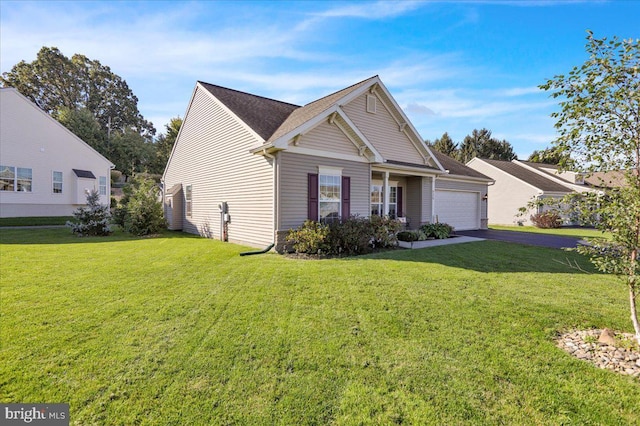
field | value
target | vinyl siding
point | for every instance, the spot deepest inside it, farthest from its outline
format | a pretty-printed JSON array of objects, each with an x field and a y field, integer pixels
[
  {"x": 32, "y": 139},
  {"x": 382, "y": 130},
  {"x": 418, "y": 200},
  {"x": 294, "y": 169},
  {"x": 327, "y": 137},
  {"x": 506, "y": 196},
  {"x": 212, "y": 154}
]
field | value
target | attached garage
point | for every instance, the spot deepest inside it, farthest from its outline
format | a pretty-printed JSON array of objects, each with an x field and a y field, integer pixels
[{"x": 460, "y": 209}]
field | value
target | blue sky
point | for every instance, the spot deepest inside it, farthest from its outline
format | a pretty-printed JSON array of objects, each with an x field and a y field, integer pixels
[{"x": 452, "y": 65}]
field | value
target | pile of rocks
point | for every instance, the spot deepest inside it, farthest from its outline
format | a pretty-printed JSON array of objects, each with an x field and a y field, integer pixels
[{"x": 604, "y": 349}]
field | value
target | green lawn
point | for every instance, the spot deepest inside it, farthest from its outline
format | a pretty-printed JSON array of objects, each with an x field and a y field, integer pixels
[
  {"x": 567, "y": 232},
  {"x": 182, "y": 330}
]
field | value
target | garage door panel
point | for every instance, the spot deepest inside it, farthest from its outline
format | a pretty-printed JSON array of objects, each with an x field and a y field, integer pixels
[{"x": 459, "y": 209}]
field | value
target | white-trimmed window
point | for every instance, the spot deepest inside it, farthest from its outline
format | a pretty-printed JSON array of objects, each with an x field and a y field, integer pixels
[
  {"x": 187, "y": 197},
  {"x": 376, "y": 200},
  {"x": 18, "y": 179},
  {"x": 330, "y": 194},
  {"x": 102, "y": 182},
  {"x": 57, "y": 182}
]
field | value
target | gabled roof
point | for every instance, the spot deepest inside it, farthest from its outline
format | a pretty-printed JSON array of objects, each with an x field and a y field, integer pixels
[
  {"x": 528, "y": 176},
  {"x": 457, "y": 168},
  {"x": 263, "y": 115},
  {"x": 311, "y": 110}
]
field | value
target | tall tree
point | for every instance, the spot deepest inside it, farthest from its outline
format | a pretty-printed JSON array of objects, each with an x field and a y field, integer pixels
[
  {"x": 54, "y": 82},
  {"x": 549, "y": 156},
  {"x": 480, "y": 144},
  {"x": 165, "y": 142},
  {"x": 446, "y": 145},
  {"x": 84, "y": 125},
  {"x": 599, "y": 127},
  {"x": 131, "y": 153}
]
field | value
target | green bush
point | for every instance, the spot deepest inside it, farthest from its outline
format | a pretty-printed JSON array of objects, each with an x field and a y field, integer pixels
[
  {"x": 311, "y": 238},
  {"x": 384, "y": 231},
  {"x": 143, "y": 213},
  {"x": 437, "y": 230},
  {"x": 351, "y": 236},
  {"x": 547, "y": 220},
  {"x": 92, "y": 220},
  {"x": 355, "y": 235},
  {"x": 408, "y": 236}
]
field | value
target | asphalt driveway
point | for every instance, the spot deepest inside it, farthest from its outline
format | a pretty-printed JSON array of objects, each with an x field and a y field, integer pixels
[{"x": 529, "y": 238}]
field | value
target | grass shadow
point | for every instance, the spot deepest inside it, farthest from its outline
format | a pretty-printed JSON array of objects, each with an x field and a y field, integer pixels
[
  {"x": 492, "y": 256},
  {"x": 44, "y": 235}
]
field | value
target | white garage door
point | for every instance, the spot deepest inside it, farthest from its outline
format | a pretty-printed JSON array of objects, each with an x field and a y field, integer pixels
[{"x": 459, "y": 209}]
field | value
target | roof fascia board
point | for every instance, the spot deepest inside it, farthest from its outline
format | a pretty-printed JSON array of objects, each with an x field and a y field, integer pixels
[
  {"x": 461, "y": 178},
  {"x": 57, "y": 123},
  {"x": 408, "y": 170},
  {"x": 326, "y": 154},
  {"x": 184, "y": 122},
  {"x": 283, "y": 141},
  {"x": 231, "y": 113}
]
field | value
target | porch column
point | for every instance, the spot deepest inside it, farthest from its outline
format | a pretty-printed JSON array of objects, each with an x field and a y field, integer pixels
[{"x": 385, "y": 193}]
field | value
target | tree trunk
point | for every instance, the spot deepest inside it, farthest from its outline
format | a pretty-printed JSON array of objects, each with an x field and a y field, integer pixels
[{"x": 634, "y": 312}]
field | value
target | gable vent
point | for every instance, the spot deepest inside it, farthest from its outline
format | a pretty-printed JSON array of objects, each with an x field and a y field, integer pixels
[{"x": 371, "y": 104}]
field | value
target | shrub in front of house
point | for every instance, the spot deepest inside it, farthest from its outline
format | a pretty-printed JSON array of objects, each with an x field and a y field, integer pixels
[
  {"x": 311, "y": 237},
  {"x": 547, "y": 220},
  {"x": 385, "y": 231},
  {"x": 356, "y": 235},
  {"x": 437, "y": 230}
]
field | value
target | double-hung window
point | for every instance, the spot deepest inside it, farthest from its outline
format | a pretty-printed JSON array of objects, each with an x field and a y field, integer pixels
[
  {"x": 17, "y": 179},
  {"x": 187, "y": 197},
  {"x": 102, "y": 185},
  {"x": 57, "y": 182},
  {"x": 330, "y": 196}
]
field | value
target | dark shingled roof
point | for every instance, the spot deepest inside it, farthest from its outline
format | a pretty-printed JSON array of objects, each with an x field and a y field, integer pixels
[
  {"x": 84, "y": 174},
  {"x": 528, "y": 176},
  {"x": 263, "y": 115},
  {"x": 455, "y": 167}
]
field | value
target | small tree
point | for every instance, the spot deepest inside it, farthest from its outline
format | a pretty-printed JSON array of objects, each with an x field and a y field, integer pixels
[
  {"x": 142, "y": 213},
  {"x": 94, "y": 219},
  {"x": 599, "y": 128}
]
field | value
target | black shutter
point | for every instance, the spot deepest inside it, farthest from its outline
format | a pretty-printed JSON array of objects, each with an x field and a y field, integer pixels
[
  {"x": 312, "y": 202},
  {"x": 346, "y": 197},
  {"x": 399, "y": 201}
]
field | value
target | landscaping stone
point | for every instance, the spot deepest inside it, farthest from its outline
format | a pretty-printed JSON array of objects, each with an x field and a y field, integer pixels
[{"x": 618, "y": 352}]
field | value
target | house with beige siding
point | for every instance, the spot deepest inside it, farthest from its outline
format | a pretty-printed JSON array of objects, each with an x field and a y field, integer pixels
[
  {"x": 247, "y": 169},
  {"x": 45, "y": 170},
  {"x": 519, "y": 182}
]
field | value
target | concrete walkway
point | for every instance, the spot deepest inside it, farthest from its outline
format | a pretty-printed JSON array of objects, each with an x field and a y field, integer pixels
[
  {"x": 435, "y": 243},
  {"x": 541, "y": 240}
]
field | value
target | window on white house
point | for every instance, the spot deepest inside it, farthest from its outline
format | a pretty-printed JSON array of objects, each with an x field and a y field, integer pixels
[
  {"x": 330, "y": 196},
  {"x": 187, "y": 196},
  {"x": 7, "y": 178},
  {"x": 103, "y": 185},
  {"x": 18, "y": 179},
  {"x": 57, "y": 182}
]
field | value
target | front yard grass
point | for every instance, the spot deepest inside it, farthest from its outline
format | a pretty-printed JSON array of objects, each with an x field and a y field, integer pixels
[{"x": 182, "y": 330}]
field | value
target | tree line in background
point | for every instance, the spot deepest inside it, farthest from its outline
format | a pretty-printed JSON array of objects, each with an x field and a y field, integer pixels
[
  {"x": 97, "y": 105},
  {"x": 479, "y": 143}
]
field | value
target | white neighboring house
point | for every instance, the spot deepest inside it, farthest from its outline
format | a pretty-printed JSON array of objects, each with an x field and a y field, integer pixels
[
  {"x": 45, "y": 170},
  {"x": 519, "y": 182}
]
